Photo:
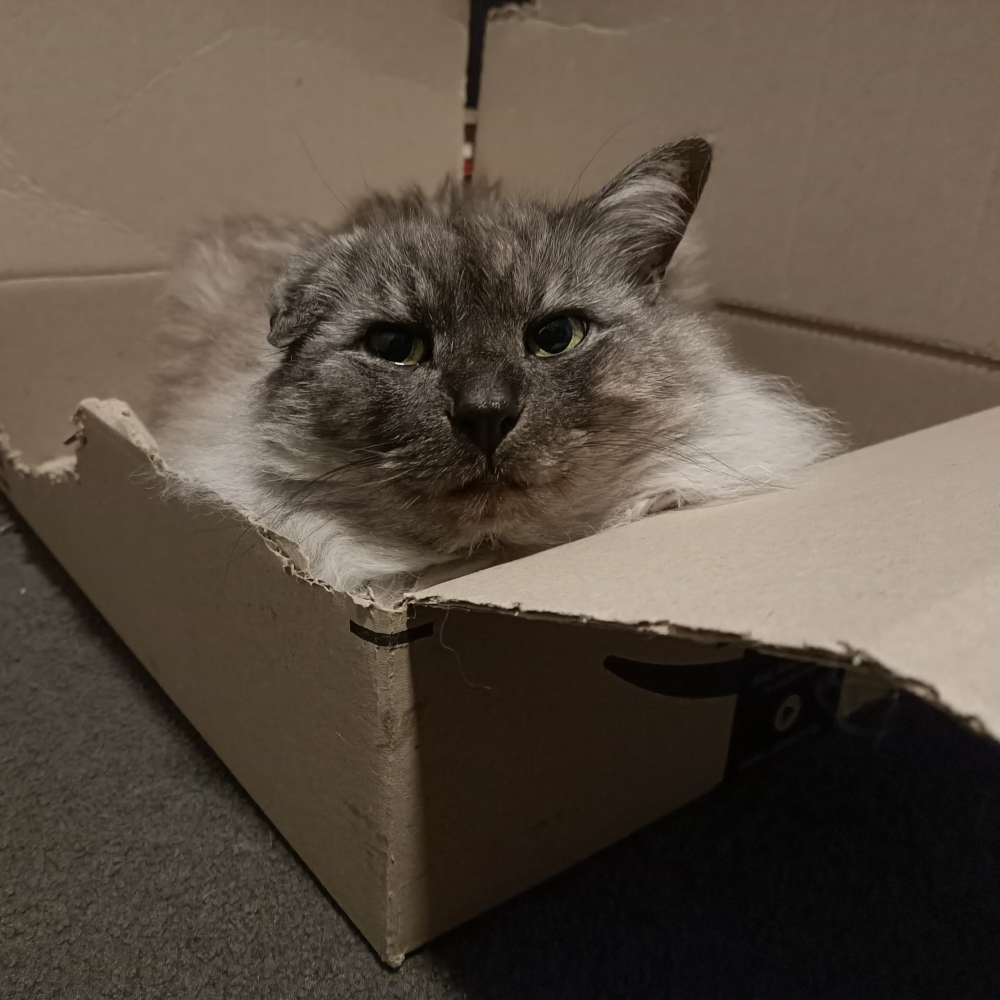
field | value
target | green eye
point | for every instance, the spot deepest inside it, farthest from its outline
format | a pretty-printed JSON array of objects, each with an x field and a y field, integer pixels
[
  {"x": 398, "y": 344},
  {"x": 556, "y": 336}
]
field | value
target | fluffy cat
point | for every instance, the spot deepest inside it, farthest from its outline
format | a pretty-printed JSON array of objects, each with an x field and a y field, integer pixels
[{"x": 442, "y": 373}]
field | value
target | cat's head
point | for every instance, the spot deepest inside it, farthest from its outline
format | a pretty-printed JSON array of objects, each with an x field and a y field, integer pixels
[{"x": 466, "y": 367}]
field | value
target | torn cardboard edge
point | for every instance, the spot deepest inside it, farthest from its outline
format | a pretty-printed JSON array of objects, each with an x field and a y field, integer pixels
[
  {"x": 341, "y": 720},
  {"x": 119, "y": 418},
  {"x": 890, "y": 554},
  {"x": 245, "y": 656}
]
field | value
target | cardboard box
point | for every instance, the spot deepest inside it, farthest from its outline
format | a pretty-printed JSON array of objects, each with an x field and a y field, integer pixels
[{"x": 429, "y": 761}]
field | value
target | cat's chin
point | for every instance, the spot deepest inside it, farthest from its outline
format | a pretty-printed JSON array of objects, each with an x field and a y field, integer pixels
[
  {"x": 494, "y": 513},
  {"x": 487, "y": 488}
]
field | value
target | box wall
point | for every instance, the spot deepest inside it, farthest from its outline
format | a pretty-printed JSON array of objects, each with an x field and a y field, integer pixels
[
  {"x": 887, "y": 556},
  {"x": 66, "y": 339},
  {"x": 127, "y": 126},
  {"x": 878, "y": 389},
  {"x": 533, "y": 756},
  {"x": 285, "y": 694},
  {"x": 422, "y": 783}
]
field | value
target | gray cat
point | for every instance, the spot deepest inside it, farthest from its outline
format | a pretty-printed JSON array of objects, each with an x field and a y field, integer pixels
[{"x": 442, "y": 374}]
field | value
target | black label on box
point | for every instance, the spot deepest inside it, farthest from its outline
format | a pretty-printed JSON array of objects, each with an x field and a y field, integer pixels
[{"x": 778, "y": 701}]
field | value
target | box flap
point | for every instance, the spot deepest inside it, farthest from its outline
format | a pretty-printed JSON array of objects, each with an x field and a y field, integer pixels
[
  {"x": 888, "y": 556},
  {"x": 856, "y": 179}
]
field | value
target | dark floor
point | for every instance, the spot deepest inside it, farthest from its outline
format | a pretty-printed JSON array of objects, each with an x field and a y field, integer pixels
[{"x": 132, "y": 865}]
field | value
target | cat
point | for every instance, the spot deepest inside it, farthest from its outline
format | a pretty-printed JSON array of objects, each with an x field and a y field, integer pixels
[{"x": 442, "y": 374}]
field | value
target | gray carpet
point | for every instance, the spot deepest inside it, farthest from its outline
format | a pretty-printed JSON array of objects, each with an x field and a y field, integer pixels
[{"x": 131, "y": 865}]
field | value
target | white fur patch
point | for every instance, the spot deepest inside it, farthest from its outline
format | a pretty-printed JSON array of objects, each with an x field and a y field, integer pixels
[{"x": 750, "y": 434}]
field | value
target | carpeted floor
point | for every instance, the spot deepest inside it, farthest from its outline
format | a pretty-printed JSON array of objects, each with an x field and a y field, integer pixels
[{"x": 132, "y": 865}]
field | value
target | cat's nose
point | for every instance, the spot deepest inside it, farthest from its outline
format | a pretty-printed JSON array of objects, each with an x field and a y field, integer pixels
[{"x": 486, "y": 420}]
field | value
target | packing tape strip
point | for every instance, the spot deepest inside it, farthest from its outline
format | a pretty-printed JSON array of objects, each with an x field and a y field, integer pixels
[{"x": 392, "y": 638}]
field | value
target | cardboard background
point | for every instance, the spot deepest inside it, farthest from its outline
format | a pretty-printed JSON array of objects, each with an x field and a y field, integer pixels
[
  {"x": 856, "y": 178},
  {"x": 853, "y": 199},
  {"x": 124, "y": 124}
]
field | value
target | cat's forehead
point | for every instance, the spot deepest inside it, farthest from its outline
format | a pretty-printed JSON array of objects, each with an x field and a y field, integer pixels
[
  {"x": 515, "y": 258},
  {"x": 481, "y": 242}
]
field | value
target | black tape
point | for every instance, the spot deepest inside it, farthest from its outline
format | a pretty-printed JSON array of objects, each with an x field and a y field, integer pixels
[{"x": 392, "y": 638}]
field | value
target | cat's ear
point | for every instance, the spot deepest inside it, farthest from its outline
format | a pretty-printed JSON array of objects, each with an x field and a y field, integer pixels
[
  {"x": 295, "y": 311},
  {"x": 647, "y": 207},
  {"x": 287, "y": 325}
]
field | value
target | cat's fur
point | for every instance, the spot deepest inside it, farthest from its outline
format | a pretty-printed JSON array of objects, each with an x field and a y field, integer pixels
[{"x": 359, "y": 461}]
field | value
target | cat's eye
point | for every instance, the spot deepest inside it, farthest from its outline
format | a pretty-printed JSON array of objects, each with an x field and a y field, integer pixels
[
  {"x": 399, "y": 344},
  {"x": 556, "y": 336}
]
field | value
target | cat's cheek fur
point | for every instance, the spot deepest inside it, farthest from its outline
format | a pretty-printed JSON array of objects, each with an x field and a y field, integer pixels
[{"x": 750, "y": 434}]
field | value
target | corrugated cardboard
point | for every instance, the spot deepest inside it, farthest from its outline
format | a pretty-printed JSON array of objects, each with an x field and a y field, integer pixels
[
  {"x": 123, "y": 126},
  {"x": 856, "y": 178},
  {"x": 878, "y": 388},
  {"x": 888, "y": 556},
  {"x": 93, "y": 334},
  {"x": 429, "y": 761}
]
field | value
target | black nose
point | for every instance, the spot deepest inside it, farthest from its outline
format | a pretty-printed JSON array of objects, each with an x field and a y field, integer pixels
[{"x": 486, "y": 420}]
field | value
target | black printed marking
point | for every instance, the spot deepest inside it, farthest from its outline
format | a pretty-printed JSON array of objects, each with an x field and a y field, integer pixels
[
  {"x": 688, "y": 680},
  {"x": 392, "y": 638},
  {"x": 778, "y": 701}
]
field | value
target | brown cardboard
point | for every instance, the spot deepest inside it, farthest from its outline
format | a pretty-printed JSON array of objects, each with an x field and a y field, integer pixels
[
  {"x": 124, "y": 124},
  {"x": 422, "y": 783},
  {"x": 165, "y": 576},
  {"x": 431, "y": 760},
  {"x": 89, "y": 335},
  {"x": 856, "y": 174},
  {"x": 879, "y": 389}
]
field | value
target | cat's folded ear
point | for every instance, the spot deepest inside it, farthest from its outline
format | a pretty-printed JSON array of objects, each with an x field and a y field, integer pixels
[
  {"x": 295, "y": 307},
  {"x": 646, "y": 209},
  {"x": 287, "y": 324}
]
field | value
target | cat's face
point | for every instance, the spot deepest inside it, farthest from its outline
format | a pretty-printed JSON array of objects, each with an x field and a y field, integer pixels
[{"x": 472, "y": 368}]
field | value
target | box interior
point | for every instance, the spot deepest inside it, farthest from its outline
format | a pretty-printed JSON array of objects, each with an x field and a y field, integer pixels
[
  {"x": 127, "y": 126},
  {"x": 856, "y": 179},
  {"x": 84, "y": 311}
]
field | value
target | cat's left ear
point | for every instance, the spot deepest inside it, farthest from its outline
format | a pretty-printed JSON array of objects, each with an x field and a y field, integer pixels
[
  {"x": 296, "y": 309},
  {"x": 647, "y": 207},
  {"x": 287, "y": 325}
]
